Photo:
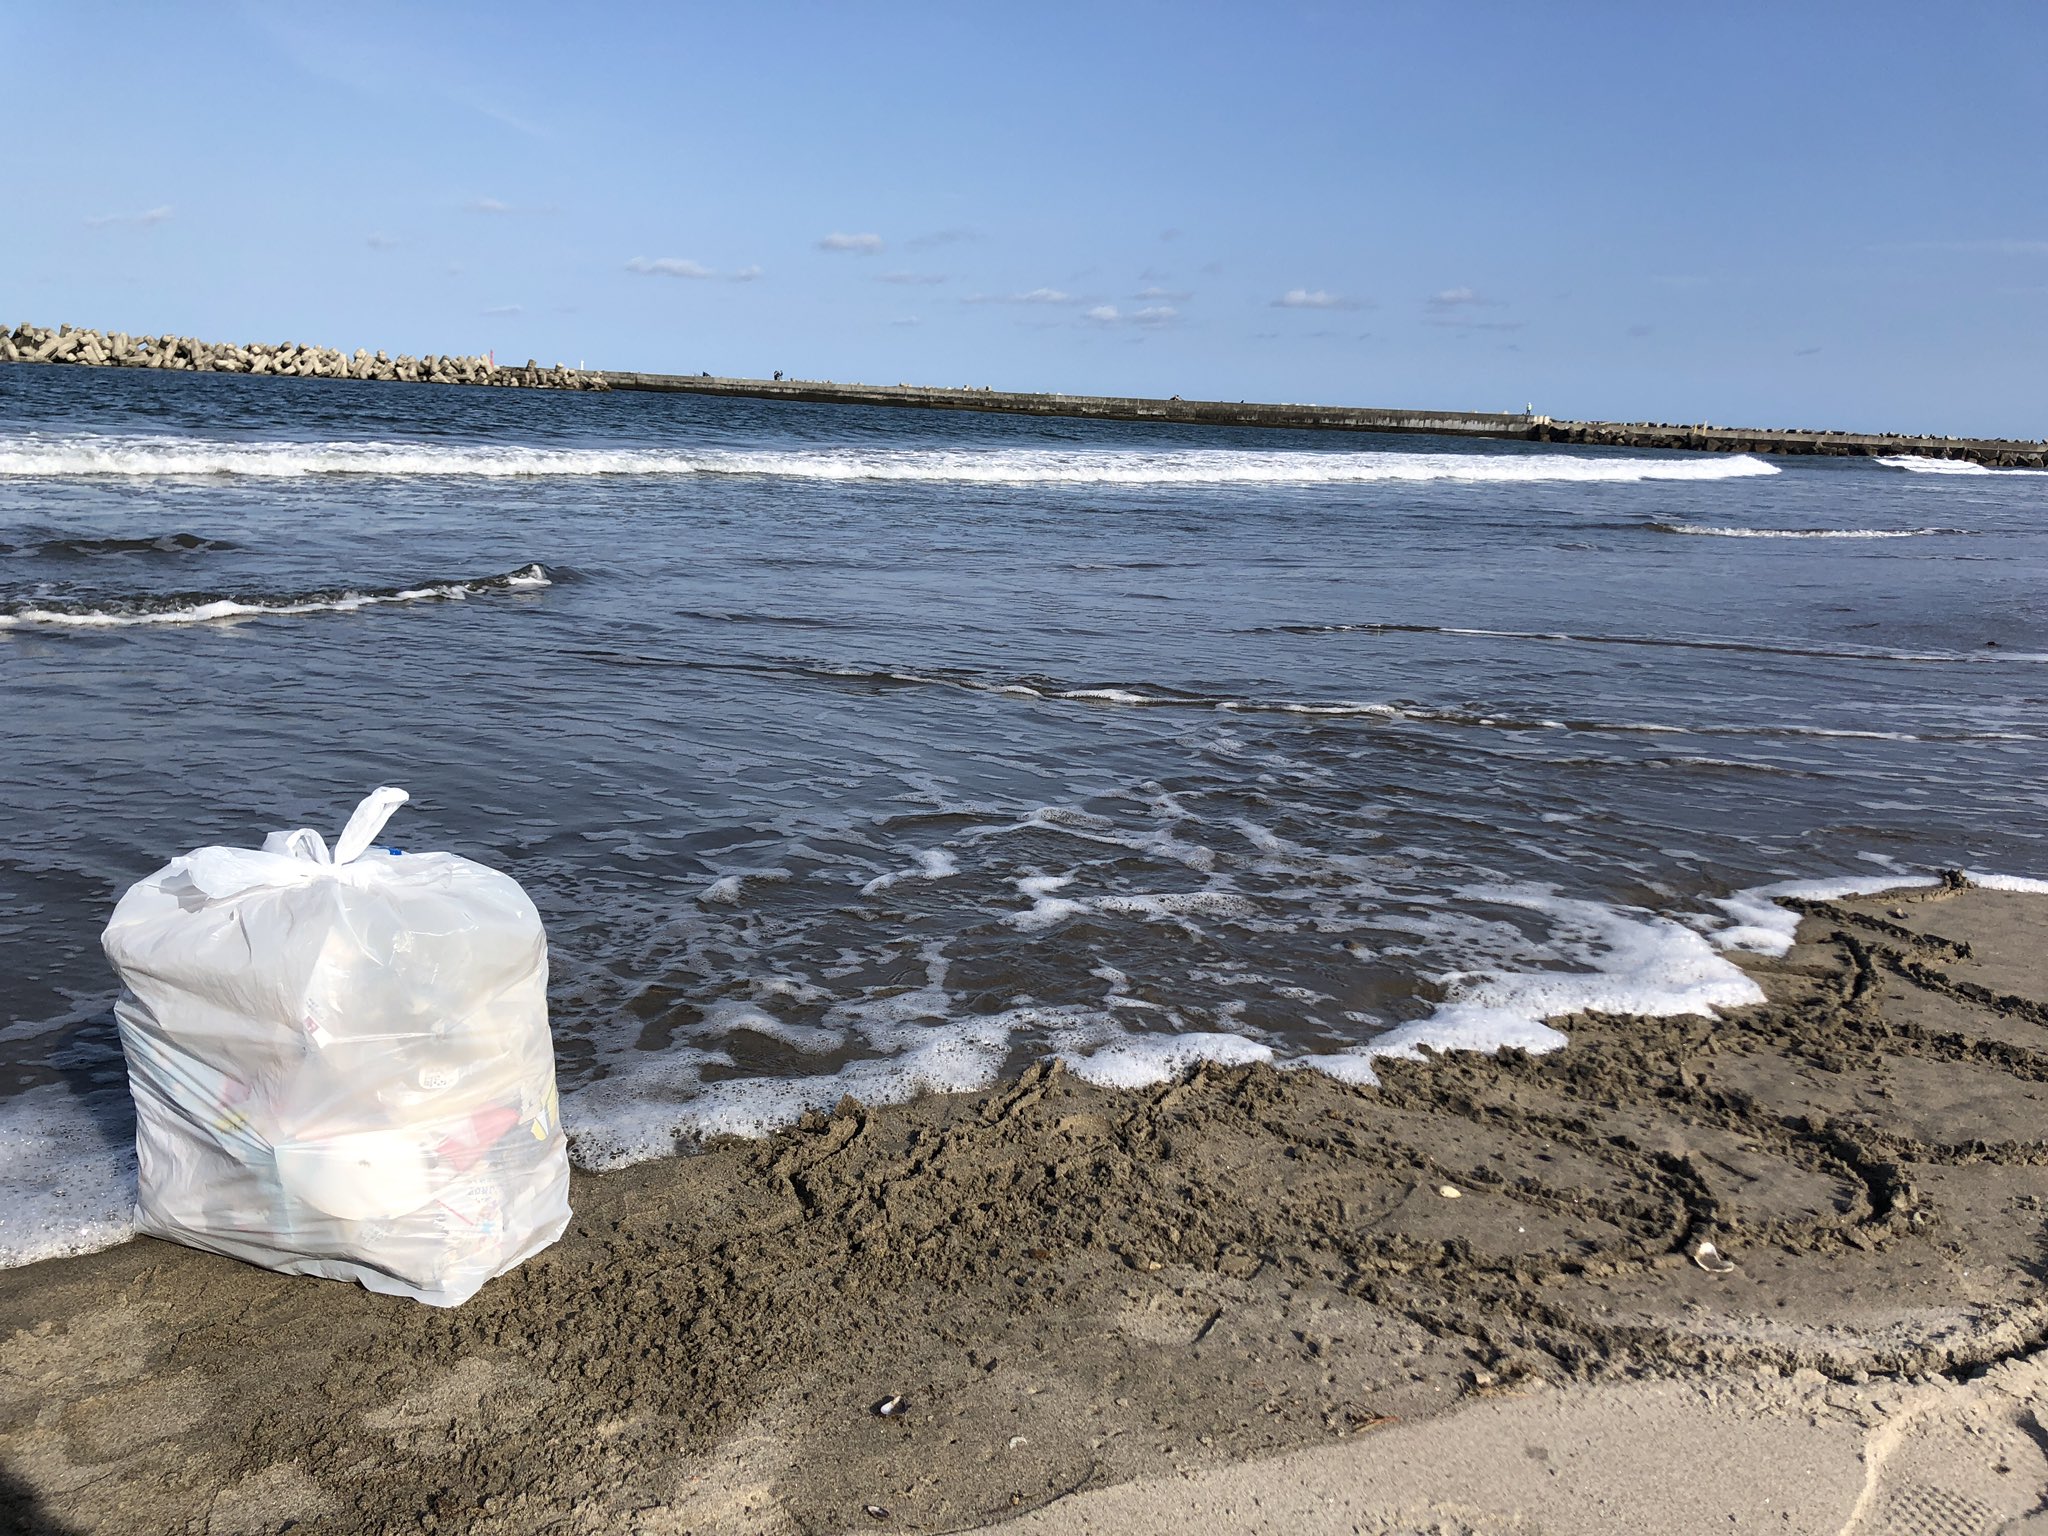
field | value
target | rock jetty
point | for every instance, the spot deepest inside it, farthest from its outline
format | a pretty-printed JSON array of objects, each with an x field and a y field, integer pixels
[
  {"x": 286, "y": 359},
  {"x": 1996, "y": 453}
]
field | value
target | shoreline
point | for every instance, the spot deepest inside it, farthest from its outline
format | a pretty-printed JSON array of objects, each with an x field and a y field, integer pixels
[{"x": 1077, "y": 1289}]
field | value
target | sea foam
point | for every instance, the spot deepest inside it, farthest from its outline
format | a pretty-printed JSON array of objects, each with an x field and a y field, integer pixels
[
  {"x": 1925, "y": 464},
  {"x": 67, "y": 1173},
  {"x": 67, "y": 1168},
  {"x": 1709, "y": 531},
  {"x": 115, "y": 455}
]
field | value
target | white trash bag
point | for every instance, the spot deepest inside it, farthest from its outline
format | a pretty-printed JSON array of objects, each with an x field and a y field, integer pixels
[{"x": 341, "y": 1063}]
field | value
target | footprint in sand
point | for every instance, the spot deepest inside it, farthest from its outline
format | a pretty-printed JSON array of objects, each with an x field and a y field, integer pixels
[{"x": 1969, "y": 1460}]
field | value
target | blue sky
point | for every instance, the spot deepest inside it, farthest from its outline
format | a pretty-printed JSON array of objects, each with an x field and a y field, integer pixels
[{"x": 1825, "y": 215}]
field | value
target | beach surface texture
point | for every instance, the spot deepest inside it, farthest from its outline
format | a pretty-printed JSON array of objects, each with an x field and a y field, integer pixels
[{"x": 1471, "y": 1299}]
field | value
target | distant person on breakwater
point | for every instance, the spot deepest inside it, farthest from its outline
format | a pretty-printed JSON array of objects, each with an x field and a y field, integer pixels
[{"x": 778, "y": 375}]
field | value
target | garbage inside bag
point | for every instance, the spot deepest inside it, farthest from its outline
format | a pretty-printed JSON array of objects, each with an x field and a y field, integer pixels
[{"x": 341, "y": 1062}]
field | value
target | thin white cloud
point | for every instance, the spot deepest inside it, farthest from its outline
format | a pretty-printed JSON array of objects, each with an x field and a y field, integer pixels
[
  {"x": 1447, "y": 300},
  {"x": 1169, "y": 295},
  {"x": 1150, "y": 315},
  {"x": 489, "y": 205},
  {"x": 504, "y": 311},
  {"x": 668, "y": 266},
  {"x": 1313, "y": 298},
  {"x": 856, "y": 245},
  {"x": 1034, "y": 296},
  {"x": 913, "y": 279},
  {"x": 678, "y": 266},
  {"x": 906, "y": 320},
  {"x": 382, "y": 242},
  {"x": 145, "y": 219}
]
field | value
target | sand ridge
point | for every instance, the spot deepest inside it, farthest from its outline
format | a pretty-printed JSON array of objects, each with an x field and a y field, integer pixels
[{"x": 1073, "y": 1288}]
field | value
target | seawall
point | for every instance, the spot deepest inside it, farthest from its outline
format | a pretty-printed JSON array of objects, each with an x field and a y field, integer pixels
[
  {"x": 1213, "y": 413},
  {"x": 1514, "y": 426}
]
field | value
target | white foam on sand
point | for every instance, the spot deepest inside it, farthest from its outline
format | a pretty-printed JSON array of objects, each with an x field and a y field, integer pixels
[
  {"x": 1578, "y": 956},
  {"x": 1762, "y": 925},
  {"x": 1529, "y": 956},
  {"x": 1138, "y": 1061},
  {"x": 1991, "y": 882},
  {"x": 1632, "y": 962},
  {"x": 67, "y": 1174},
  {"x": 95, "y": 454}
]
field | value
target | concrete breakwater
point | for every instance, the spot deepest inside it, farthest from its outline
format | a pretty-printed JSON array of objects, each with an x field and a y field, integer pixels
[
  {"x": 117, "y": 349},
  {"x": 1214, "y": 413},
  {"x": 1513, "y": 426},
  {"x": 290, "y": 359}
]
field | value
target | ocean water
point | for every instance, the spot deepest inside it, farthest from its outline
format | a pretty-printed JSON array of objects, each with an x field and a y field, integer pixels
[{"x": 868, "y": 751}]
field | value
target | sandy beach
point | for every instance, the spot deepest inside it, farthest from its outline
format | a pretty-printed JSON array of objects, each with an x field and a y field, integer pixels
[{"x": 1462, "y": 1302}]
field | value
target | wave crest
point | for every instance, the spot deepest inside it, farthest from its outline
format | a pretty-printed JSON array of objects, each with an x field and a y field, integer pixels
[
  {"x": 1703, "y": 530},
  {"x": 1926, "y": 464},
  {"x": 107, "y": 455},
  {"x": 201, "y": 608}
]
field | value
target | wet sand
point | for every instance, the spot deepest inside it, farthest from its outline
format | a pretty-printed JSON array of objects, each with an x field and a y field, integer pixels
[{"x": 1243, "y": 1296}]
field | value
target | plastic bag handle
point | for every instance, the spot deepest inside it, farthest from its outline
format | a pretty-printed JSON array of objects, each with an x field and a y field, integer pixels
[
  {"x": 367, "y": 822},
  {"x": 304, "y": 843}
]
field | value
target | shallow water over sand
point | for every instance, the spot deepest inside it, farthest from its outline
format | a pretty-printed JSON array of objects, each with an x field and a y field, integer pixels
[{"x": 871, "y": 751}]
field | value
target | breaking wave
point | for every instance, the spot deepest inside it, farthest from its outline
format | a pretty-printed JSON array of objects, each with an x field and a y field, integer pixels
[
  {"x": 201, "y": 608},
  {"x": 1697, "y": 530},
  {"x": 109, "y": 455},
  {"x": 1926, "y": 464}
]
